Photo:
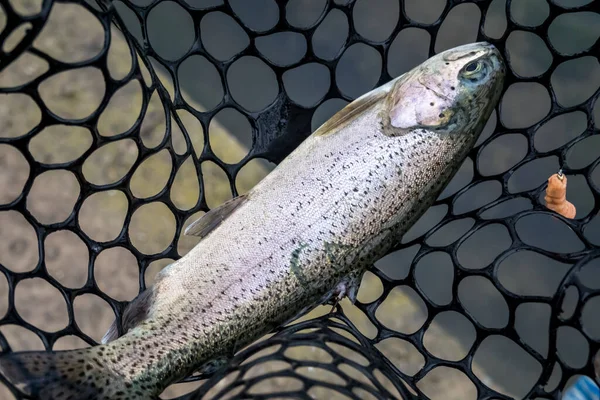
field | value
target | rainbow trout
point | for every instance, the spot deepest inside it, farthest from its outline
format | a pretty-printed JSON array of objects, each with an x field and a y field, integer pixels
[{"x": 302, "y": 237}]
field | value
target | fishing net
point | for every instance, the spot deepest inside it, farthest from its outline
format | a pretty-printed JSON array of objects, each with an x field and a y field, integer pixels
[{"x": 488, "y": 296}]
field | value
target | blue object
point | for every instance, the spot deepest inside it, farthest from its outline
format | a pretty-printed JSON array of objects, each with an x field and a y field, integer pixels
[{"x": 584, "y": 389}]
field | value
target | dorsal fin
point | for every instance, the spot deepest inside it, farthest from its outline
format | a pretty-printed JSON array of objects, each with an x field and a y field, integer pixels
[
  {"x": 209, "y": 221},
  {"x": 354, "y": 109}
]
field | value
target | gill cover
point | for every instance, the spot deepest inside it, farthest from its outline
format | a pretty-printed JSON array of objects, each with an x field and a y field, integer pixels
[{"x": 418, "y": 103}]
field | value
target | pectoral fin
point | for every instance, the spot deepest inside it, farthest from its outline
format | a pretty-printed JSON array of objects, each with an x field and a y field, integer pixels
[
  {"x": 134, "y": 313},
  {"x": 209, "y": 221}
]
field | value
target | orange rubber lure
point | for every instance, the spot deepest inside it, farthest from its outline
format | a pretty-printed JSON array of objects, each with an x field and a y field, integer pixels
[{"x": 556, "y": 196}]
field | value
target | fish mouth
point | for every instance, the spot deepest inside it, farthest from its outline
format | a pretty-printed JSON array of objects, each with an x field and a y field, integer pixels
[
  {"x": 493, "y": 54},
  {"x": 494, "y": 57}
]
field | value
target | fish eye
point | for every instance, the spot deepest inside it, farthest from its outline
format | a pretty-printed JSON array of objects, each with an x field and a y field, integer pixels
[{"x": 473, "y": 68}]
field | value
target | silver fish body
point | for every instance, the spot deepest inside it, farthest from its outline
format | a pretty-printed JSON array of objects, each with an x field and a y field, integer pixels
[{"x": 332, "y": 208}]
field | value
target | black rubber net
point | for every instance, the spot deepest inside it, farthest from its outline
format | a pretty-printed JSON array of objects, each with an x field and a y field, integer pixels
[{"x": 121, "y": 122}]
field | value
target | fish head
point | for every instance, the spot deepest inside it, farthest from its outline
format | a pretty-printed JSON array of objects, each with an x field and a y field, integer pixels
[{"x": 452, "y": 93}]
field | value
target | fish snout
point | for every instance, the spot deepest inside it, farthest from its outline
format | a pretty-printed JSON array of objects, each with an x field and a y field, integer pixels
[{"x": 495, "y": 57}]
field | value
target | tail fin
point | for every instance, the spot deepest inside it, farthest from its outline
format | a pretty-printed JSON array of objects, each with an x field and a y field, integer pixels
[{"x": 73, "y": 374}]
